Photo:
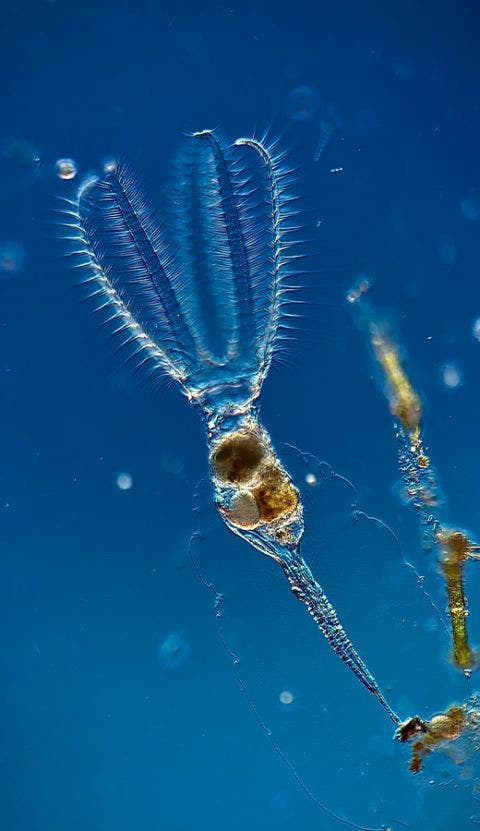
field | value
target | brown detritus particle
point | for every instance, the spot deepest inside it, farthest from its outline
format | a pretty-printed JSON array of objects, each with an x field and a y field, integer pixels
[
  {"x": 409, "y": 728},
  {"x": 442, "y": 728}
]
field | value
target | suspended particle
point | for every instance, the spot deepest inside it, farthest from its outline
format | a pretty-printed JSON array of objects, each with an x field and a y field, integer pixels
[
  {"x": 12, "y": 258},
  {"x": 124, "y": 481},
  {"x": 109, "y": 166},
  {"x": 283, "y": 806},
  {"x": 311, "y": 479},
  {"x": 174, "y": 650},
  {"x": 171, "y": 464},
  {"x": 403, "y": 69},
  {"x": 329, "y": 124},
  {"x": 303, "y": 103},
  {"x": 447, "y": 252},
  {"x": 361, "y": 286},
  {"x": 476, "y": 329},
  {"x": 286, "y": 697},
  {"x": 471, "y": 208},
  {"x": 66, "y": 169},
  {"x": 451, "y": 376},
  {"x": 19, "y": 163}
]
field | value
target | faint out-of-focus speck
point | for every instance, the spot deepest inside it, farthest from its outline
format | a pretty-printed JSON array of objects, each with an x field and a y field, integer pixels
[
  {"x": 171, "y": 464},
  {"x": 66, "y": 169},
  {"x": 311, "y": 479},
  {"x": 403, "y": 69},
  {"x": 174, "y": 650},
  {"x": 432, "y": 624},
  {"x": 471, "y": 208},
  {"x": 179, "y": 556},
  {"x": 451, "y": 375},
  {"x": 19, "y": 162},
  {"x": 283, "y": 806},
  {"x": 336, "y": 170},
  {"x": 399, "y": 491},
  {"x": 476, "y": 329},
  {"x": 124, "y": 481},
  {"x": 286, "y": 697},
  {"x": 447, "y": 251},
  {"x": 303, "y": 103},
  {"x": 12, "y": 258},
  {"x": 190, "y": 43}
]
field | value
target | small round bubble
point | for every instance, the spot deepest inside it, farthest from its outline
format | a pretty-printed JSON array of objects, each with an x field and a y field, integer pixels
[
  {"x": 286, "y": 697},
  {"x": 451, "y": 376},
  {"x": 12, "y": 258},
  {"x": 124, "y": 481},
  {"x": 476, "y": 329},
  {"x": 66, "y": 169},
  {"x": 311, "y": 479}
]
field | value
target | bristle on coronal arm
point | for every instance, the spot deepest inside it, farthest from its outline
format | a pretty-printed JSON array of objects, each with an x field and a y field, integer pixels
[
  {"x": 282, "y": 230},
  {"x": 134, "y": 255},
  {"x": 106, "y": 300}
]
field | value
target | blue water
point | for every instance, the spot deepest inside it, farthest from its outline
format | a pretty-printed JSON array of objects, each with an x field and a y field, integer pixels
[{"x": 121, "y": 707}]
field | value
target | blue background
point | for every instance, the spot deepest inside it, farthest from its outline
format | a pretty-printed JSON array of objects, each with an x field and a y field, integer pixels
[{"x": 99, "y": 730}]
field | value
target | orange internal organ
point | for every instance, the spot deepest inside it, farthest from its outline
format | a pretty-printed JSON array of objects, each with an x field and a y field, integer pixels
[{"x": 244, "y": 462}]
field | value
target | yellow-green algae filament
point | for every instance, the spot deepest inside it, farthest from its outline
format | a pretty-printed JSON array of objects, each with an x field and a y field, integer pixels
[{"x": 455, "y": 550}]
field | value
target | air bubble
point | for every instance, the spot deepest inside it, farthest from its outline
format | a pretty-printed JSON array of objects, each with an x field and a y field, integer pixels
[
  {"x": 66, "y": 169},
  {"x": 451, "y": 376},
  {"x": 286, "y": 697},
  {"x": 124, "y": 481}
]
